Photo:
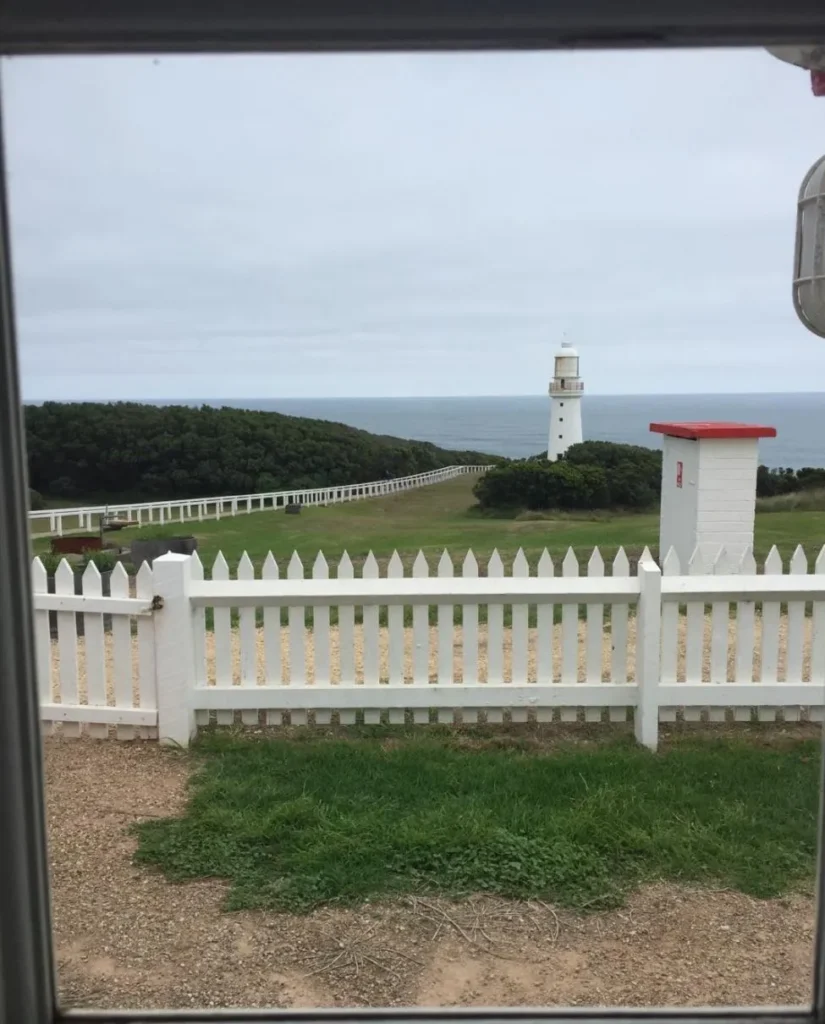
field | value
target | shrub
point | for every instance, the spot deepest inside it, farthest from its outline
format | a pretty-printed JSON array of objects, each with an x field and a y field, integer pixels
[
  {"x": 634, "y": 473},
  {"x": 797, "y": 501},
  {"x": 104, "y": 560},
  {"x": 634, "y": 485},
  {"x": 51, "y": 562},
  {"x": 770, "y": 483},
  {"x": 160, "y": 533},
  {"x": 535, "y": 486},
  {"x": 36, "y": 503},
  {"x": 591, "y": 475},
  {"x": 609, "y": 455}
]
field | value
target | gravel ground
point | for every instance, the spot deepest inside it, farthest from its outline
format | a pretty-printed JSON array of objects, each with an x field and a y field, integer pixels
[{"x": 126, "y": 938}]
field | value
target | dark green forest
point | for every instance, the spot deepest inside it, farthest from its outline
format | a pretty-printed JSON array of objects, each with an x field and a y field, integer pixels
[{"x": 131, "y": 451}]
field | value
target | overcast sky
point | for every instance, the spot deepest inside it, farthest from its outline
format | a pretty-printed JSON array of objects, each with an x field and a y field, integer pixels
[{"x": 408, "y": 225}]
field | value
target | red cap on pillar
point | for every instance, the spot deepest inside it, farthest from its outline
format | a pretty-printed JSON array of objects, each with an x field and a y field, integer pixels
[{"x": 713, "y": 430}]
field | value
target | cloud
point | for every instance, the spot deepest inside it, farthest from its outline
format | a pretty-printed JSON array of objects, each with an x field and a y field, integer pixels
[{"x": 406, "y": 224}]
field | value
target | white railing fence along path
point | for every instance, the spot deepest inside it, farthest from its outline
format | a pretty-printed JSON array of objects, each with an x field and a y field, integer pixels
[
  {"x": 416, "y": 643},
  {"x": 159, "y": 513}
]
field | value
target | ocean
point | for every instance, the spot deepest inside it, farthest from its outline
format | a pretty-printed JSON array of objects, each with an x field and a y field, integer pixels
[{"x": 517, "y": 427}]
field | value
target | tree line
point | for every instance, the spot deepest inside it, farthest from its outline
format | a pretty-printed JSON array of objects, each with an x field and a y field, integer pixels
[
  {"x": 132, "y": 451},
  {"x": 770, "y": 482},
  {"x": 597, "y": 475}
]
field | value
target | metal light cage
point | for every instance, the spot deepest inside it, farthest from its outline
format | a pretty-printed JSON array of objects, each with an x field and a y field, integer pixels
[
  {"x": 32, "y": 27},
  {"x": 809, "y": 252}
]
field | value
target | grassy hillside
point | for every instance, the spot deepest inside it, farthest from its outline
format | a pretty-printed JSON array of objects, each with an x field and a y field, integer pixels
[
  {"x": 441, "y": 516},
  {"x": 127, "y": 451}
]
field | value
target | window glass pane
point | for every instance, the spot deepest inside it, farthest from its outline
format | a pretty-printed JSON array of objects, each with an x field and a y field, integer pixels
[{"x": 362, "y": 685}]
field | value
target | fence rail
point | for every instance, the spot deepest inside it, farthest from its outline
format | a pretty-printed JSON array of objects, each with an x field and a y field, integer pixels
[
  {"x": 156, "y": 513},
  {"x": 716, "y": 642}
]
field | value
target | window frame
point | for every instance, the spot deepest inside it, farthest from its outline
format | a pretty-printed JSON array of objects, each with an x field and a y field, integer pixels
[{"x": 52, "y": 27}]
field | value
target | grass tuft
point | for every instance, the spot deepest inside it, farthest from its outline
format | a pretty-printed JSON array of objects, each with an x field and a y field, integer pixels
[
  {"x": 294, "y": 824},
  {"x": 798, "y": 501}
]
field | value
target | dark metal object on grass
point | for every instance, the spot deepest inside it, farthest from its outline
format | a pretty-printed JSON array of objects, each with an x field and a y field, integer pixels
[{"x": 148, "y": 550}]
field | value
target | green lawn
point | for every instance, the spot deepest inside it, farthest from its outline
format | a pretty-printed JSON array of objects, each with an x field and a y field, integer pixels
[
  {"x": 438, "y": 517},
  {"x": 296, "y": 823}
]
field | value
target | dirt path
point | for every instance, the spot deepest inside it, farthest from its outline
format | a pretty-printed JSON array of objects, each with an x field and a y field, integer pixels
[{"x": 126, "y": 938}]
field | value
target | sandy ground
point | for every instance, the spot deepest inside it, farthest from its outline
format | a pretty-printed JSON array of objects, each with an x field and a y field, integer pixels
[
  {"x": 602, "y": 669},
  {"x": 208, "y": 672},
  {"x": 126, "y": 938}
]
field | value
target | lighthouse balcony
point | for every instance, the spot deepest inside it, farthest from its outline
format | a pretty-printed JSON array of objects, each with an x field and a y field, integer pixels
[{"x": 566, "y": 387}]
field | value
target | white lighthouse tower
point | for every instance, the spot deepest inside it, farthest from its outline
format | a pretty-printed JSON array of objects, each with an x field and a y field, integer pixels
[{"x": 566, "y": 390}]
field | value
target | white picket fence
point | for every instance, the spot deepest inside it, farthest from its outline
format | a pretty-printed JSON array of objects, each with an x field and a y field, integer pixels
[
  {"x": 158, "y": 513},
  {"x": 717, "y": 642},
  {"x": 106, "y": 677}
]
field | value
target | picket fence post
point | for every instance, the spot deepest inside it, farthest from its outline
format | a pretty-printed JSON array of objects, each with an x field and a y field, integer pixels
[
  {"x": 648, "y": 645},
  {"x": 174, "y": 649}
]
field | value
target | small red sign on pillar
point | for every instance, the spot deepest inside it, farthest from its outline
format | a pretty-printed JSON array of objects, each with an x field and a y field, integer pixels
[{"x": 678, "y": 474}]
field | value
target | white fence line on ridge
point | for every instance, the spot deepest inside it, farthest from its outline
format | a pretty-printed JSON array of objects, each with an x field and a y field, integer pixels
[
  {"x": 161, "y": 512},
  {"x": 541, "y": 643}
]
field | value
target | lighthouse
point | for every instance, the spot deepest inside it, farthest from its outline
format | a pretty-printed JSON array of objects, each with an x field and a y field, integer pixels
[{"x": 566, "y": 390}]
